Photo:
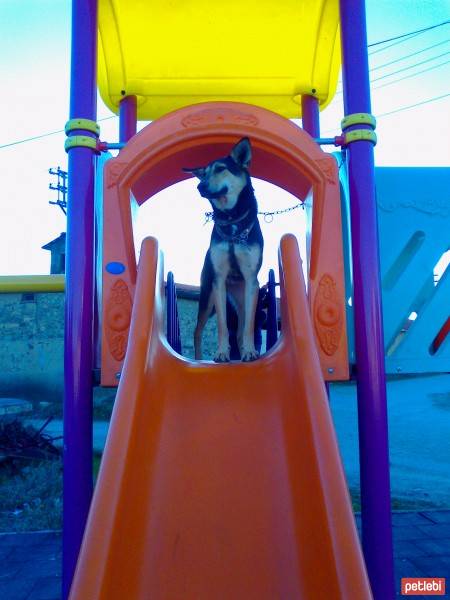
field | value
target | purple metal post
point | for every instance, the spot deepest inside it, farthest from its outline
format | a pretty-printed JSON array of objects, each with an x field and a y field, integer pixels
[
  {"x": 78, "y": 350},
  {"x": 371, "y": 380},
  {"x": 310, "y": 115},
  {"x": 127, "y": 118}
]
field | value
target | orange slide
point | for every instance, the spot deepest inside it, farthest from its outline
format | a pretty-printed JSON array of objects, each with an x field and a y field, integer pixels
[{"x": 221, "y": 481}]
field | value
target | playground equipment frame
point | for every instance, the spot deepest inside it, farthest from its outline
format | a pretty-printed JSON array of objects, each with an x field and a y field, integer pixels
[{"x": 374, "y": 460}]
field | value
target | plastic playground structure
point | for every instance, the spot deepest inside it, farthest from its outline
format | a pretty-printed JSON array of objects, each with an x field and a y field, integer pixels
[{"x": 204, "y": 491}]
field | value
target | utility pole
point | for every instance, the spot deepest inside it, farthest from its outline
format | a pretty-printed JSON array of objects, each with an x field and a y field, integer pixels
[{"x": 60, "y": 187}]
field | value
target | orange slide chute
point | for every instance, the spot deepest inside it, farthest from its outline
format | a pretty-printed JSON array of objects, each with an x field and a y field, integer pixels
[{"x": 221, "y": 481}]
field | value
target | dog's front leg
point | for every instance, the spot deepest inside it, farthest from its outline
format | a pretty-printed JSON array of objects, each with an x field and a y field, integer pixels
[
  {"x": 249, "y": 260},
  {"x": 221, "y": 264},
  {"x": 248, "y": 351},
  {"x": 220, "y": 302}
]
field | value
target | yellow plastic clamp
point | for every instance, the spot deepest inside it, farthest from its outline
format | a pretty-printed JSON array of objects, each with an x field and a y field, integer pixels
[
  {"x": 357, "y": 135},
  {"x": 359, "y": 119},
  {"x": 80, "y": 141},
  {"x": 84, "y": 124}
]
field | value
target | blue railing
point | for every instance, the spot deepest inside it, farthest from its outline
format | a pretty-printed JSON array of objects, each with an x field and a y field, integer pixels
[
  {"x": 272, "y": 316},
  {"x": 173, "y": 322}
]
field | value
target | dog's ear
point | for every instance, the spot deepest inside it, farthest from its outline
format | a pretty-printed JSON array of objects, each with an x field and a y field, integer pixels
[
  {"x": 242, "y": 153},
  {"x": 197, "y": 172}
]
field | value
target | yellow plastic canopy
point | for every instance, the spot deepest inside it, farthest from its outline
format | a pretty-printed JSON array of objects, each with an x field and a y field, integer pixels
[{"x": 172, "y": 53}]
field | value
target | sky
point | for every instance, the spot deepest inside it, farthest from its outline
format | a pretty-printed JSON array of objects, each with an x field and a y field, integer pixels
[{"x": 410, "y": 98}]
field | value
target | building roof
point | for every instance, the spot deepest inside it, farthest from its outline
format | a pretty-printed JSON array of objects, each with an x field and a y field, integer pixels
[{"x": 58, "y": 244}]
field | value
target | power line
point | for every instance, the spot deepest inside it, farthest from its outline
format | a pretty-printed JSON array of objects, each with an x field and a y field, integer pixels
[
  {"x": 378, "y": 87},
  {"x": 410, "y": 67},
  {"x": 413, "y": 105},
  {"x": 409, "y": 55},
  {"x": 417, "y": 64},
  {"x": 404, "y": 57},
  {"x": 402, "y": 41},
  {"x": 407, "y": 35},
  {"x": 398, "y": 40},
  {"x": 400, "y": 109},
  {"x": 31, "y": 139},
  {"x": 43, "y": 135}
]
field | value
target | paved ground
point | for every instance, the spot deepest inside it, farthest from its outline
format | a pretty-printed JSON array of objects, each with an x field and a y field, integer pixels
[
  {"x": 30, "y": 566},
  {"x": 419, "y": 437},
  {"x": 30, "y": 563}
]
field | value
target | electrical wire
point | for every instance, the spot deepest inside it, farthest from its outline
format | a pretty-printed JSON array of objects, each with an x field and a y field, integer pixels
[
  {"x": 393, "y": 44},
  {"x": 31, "y": 139},
  {"x": 397, "y": 110},
  {"x": 409, "y": 56},
  {"x": 428, "y": 101},
  {"x": 340, "y": 91},
  {"x": 410, "y": 67},
  {"x": 407, "y": 35},
  {"x": 401, "y": 41},
  {"x": 43, "y": 135},
  {"x": 378, "y": 87}
]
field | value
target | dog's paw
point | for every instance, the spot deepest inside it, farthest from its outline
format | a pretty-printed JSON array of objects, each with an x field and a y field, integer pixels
[
  {"x": 249, "y": 355},
  {"x": 222, "y": 357}
]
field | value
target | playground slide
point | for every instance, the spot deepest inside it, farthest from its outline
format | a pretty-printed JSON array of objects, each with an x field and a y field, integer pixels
[{"x": 218, "y": 481}]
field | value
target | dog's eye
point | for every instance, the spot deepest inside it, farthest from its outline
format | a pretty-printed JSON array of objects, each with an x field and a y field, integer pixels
[{"x": 219, "y": 169}]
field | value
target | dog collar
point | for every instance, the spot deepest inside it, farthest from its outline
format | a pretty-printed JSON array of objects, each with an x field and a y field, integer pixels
[
  {"x": 237, "y": 238},
  {"x": 230, "y": 221}
]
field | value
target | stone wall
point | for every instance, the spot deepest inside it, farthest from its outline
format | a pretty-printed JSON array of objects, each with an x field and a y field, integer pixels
[
  {"x": 187, "y": 314},
  {"x": 32, "y": 343},
  {"x": 31, "y": 346}
]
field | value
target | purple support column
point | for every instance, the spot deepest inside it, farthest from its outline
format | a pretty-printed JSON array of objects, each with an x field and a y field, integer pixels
[
  {"x": 310, "y": 115},
  {"x": 371, "y": 381},
  {"x": 79, "y": 292},
  {"x": 127, "y": 118}
]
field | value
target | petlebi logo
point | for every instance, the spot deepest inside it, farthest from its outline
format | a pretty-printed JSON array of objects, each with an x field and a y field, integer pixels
[{"x": 423, "y": 586}]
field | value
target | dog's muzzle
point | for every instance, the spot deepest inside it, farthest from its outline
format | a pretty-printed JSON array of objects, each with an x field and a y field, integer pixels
[{"x": 206, "y": 193}]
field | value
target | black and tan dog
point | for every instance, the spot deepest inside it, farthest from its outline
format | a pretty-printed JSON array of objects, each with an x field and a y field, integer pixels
[{"x": 235, "y": 253}]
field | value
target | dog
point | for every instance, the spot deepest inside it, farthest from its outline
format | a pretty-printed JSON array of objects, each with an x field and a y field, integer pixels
[{"x": 234, "y": 258}]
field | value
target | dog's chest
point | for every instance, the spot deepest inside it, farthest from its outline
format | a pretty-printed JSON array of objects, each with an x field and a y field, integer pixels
[{"x": 234, "y": 261}]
